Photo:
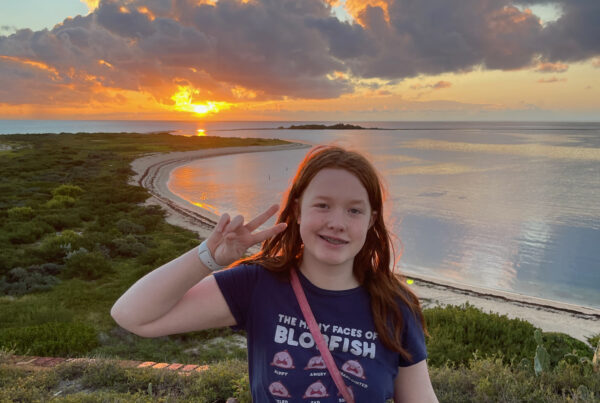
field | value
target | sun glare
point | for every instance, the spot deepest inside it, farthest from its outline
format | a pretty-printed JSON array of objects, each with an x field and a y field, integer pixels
[{"x": 184, "y": 101}]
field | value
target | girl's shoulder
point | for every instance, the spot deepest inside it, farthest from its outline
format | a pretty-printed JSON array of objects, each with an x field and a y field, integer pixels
[{"x": 247, "y": 273}]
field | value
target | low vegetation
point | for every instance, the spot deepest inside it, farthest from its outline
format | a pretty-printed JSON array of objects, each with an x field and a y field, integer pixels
[{"x": 74, "y": 235}]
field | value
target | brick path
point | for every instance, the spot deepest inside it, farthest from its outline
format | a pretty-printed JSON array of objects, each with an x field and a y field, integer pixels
[{"x": 40, "y": 363}]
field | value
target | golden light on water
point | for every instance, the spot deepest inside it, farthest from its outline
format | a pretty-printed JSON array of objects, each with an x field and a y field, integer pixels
[
  {"x": 201, "y": 132},
  {"x": 184, "y": 101}
]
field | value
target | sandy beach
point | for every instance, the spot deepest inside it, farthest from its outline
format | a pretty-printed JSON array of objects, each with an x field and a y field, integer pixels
[{"x": 153, "y": 171}]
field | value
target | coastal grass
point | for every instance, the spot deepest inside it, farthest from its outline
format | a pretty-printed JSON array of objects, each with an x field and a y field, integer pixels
[
  {"x": 480, "y": 380},
  {"x": 74, "y": 235}
]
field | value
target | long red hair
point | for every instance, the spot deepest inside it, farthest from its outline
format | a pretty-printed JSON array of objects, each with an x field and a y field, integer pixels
[{"x": 373, "y": 263}]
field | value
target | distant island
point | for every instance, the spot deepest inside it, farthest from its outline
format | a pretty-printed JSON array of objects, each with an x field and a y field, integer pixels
[{"x": 338, "y": 126}]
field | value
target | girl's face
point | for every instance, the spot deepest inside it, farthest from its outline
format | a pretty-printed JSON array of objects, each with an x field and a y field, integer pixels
[{"x": 334, "y": 217}]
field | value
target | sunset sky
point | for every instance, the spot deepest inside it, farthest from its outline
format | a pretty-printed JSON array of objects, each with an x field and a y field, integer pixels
[{"x": 352, "y": 60}]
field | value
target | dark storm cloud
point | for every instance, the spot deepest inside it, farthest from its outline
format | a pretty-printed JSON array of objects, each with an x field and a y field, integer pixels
[
  {"x": 575, "y": 35},
  {"x": 283, "y": 48}
]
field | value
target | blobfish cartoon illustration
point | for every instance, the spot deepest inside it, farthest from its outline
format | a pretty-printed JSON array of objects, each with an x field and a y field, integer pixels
[
  {"x": 283, "y": 359},
  {"x": 316, "y": 389},
  {"x": 316, "y": 362},
  {"x": 353, "y": 367},
  {"x": 277, "y": 389}
]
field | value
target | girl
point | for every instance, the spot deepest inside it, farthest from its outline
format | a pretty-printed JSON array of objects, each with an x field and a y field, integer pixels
[{"x": 331, "y": 232}]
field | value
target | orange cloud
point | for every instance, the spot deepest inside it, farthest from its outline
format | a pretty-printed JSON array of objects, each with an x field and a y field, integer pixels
[
  {"x": 356, "y": 8},
  {"x": 442, "y": 84},
  {"x": 436, "y": 86},
  {"x": 552, "y": 67},
  {"x": 551, "y": 80},
  {"x": 33, "y": 63}
]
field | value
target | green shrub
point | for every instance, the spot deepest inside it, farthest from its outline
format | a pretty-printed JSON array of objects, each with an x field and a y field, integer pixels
[
  {"x": 26, "y": 232},
  {"x": 86, "y": 265},
  {"x": 11, "y": 258},
  {"x": 128, "y": 246},
  {"x": 127, "y": 227},
  {"x": 164, "y": 252},
  {"x": 560, "y": 344},
  {"x": 64, "y": 219},
  {"x": 55, "y": 247},
  {"x": 60, "y": 202},
  {"x": 149, "y": 216},
  {"x": 594, "y": 340},
  {"x": 20, "y": 213},
  {"x": 50, "y": 339},
  {"x": 27, "y": 387},
  {"x": 21, "y": 281},
  {"x": 222, "y": 380},
  {"x": 457, "y": 332},
  {"x": 491, "y": 380},
  {"x": 67, "y": 190}
]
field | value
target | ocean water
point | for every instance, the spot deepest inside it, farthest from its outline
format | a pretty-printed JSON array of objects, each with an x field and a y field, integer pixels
[{"x": 511, "y": 206}]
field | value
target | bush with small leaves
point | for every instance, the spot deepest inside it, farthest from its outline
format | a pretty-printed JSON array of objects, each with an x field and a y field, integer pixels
[
  {"x": 457, "y": 332},
  {"x": 559, "y": 344},
  {"x": 54, "y": 248},
  {"x": 594, "y": 340},
  {"x": 60, "y": 202},
  {"x": 86, "y": 265},
  {"x": 20, "y": 213},
  {"x": 21, "y": 281},
  {"x": 128, "y": 246},
  {"x": 127, "y": 227},
  {"x": 27, "y": 231},
  {"x": 67, "y": 190},
  {"x": 63, "y": 220}
]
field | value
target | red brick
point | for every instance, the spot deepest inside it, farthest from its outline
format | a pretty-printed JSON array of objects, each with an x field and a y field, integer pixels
[
  {"x": 174, "y": 367},
  {"x": 160, "y": 365},
  {"x": 146, "y": 364},
  {"x": 188, "y": 368}
]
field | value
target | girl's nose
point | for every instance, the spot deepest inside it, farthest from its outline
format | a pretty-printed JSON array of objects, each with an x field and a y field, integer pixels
[{"x": 336, "y": 220}]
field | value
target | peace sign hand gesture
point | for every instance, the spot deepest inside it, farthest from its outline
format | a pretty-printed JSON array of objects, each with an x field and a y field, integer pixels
[{"x": 231, "y": 238}]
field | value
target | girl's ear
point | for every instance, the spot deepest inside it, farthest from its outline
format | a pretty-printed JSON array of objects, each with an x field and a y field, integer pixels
[{"x": 373, "y": 218}]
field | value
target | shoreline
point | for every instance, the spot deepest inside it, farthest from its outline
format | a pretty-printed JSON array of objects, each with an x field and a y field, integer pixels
[{"x": 152, "y": 172}]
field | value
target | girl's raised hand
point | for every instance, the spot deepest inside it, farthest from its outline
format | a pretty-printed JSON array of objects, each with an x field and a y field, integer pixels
[{"x": 231, "y": 238}]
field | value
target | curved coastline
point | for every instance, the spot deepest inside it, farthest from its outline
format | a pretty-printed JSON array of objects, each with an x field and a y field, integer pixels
[{"x": 152, "y": 172}]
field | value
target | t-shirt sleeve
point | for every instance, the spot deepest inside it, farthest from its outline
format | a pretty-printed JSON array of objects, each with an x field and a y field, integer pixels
[
  {"x": 413, "y": 338},
  {"x": 237, "y": 286}
]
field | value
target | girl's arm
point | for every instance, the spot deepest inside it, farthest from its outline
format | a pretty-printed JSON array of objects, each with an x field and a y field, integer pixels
[
  {"x": 412, "y": 384},
  {"x": 181, "y": 296}
]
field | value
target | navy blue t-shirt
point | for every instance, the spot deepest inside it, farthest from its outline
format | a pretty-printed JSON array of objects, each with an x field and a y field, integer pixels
[{"x": 285, "y": 364}]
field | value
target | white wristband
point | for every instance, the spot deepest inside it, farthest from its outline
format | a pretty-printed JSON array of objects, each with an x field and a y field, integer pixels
[{"x": 206, "y": 258}]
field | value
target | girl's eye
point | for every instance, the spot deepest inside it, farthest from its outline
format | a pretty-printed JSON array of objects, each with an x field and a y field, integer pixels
[
  {"x": 321, "y": 205},
  {"x": 355, "y": 211}
]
